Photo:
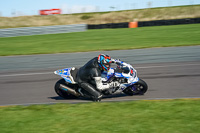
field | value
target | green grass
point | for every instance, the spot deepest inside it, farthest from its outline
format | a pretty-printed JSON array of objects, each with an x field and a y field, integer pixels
[
  {"x": 164, "y": 116},
  {"x": 104, "y": 39}
]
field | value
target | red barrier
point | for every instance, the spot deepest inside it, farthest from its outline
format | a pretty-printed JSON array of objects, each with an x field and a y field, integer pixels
[{"x": 50, "y": 11}]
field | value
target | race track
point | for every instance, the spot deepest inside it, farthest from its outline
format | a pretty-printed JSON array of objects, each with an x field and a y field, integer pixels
[{"x": 172, "y": 72}]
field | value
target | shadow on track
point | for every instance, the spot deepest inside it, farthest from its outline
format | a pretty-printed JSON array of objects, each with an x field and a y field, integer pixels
[{"x": 89, "y": 99}]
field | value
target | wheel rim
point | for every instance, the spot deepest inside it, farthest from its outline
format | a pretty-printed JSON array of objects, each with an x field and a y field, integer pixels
[{"x": 138, "y": 88}]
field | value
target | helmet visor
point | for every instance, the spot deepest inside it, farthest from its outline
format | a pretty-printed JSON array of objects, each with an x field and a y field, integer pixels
[{"x": 106, "y": 63}]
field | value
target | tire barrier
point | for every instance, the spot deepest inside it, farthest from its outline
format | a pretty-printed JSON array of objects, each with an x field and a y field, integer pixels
[
  {"x": 169, "y": 22},
  {"x": 109, "y": 25},
  {"x": 146, "y": 23}
]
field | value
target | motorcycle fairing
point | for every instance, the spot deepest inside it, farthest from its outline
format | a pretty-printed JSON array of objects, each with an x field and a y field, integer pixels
[
  {"x": 65, "y": 73},
  {"x": 131, "y": 76}
]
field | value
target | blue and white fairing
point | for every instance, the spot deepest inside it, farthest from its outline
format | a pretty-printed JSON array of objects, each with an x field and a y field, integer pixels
[
  {"x": 65, "y": 73},
  {"x": 130, "y": 75}
]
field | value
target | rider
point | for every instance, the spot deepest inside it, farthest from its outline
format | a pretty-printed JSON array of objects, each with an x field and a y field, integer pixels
[{"x": 89, "y": 76}]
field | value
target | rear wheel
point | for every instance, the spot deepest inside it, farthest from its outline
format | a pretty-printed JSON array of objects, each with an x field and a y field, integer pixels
[
  {"x": 138, "y": 88},
  {"x": 61, "y": 92}
]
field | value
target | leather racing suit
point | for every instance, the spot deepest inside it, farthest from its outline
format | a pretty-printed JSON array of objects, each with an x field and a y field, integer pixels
[{"x": 89, "y": 78}]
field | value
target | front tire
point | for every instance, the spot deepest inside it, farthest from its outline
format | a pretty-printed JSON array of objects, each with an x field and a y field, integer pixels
[
  {"x": 61, "y": 92},
  {"x": 138, "y": 88}
]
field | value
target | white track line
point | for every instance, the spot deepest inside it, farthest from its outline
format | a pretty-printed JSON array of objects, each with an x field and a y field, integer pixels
[
  {"x": 167, "y": 66},
  {"x": 31, "y": 74},
  {"x": 25, "y": 74}
]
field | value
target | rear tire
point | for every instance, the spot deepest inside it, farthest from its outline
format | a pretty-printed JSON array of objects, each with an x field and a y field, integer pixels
[
  {"x": 61, "y": 92},
  {"x": 138, "y": 88}
]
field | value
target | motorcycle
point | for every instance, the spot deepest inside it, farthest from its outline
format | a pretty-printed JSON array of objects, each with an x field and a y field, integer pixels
[{"x": 124, "y": 73}]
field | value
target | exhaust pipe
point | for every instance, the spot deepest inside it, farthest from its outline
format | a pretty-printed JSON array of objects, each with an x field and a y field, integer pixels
[{"x": 69, "y": 90}]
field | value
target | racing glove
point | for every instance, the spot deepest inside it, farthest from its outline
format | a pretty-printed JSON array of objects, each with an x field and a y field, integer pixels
[{"x": 116, "y": 61}]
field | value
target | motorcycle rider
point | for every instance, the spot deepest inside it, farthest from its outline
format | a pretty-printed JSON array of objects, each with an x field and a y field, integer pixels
[{"x": 89, "y": 76}]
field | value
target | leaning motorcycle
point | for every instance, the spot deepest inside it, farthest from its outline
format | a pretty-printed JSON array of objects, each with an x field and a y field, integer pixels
[{"x": 124, "y": 73}]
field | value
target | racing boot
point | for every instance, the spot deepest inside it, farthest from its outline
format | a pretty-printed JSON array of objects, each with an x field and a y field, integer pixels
[{"x": 97, "y": 99}]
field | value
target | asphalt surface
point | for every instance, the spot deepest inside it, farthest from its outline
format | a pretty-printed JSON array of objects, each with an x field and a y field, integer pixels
[{"x": 172, "y": 72}]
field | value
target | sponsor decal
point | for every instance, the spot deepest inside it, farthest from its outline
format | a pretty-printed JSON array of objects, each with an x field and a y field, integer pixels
[{"x": 118, "y": 75}]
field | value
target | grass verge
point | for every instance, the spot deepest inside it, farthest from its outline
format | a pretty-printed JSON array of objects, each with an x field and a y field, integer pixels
[
  {"x": 104, "y": 39},
  {"x": 164, "y": 116}
]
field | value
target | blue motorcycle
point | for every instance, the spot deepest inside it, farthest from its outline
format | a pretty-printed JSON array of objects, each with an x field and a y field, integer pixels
[{"x": 124, "y": 73}]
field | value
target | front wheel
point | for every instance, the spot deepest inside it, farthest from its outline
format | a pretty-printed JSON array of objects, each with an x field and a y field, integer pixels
[
  {"x": 61, "y": 92},
  {"x": 138, "y": 88}
]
